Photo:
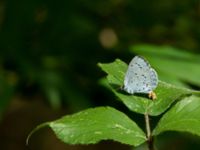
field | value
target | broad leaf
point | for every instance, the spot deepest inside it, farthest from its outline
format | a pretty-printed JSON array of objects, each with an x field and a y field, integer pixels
[
  {"x": 92, "y": 125},
  {"x": 184, "y": 116},
  {"x": 164, "y": 51},
  {"x": 166, "y": 93}
]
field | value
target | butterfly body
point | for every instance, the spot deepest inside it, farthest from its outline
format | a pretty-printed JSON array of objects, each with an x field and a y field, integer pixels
[{"x": 140, "y": 77}]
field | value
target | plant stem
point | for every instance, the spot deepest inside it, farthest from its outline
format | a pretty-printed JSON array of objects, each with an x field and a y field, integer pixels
[{"x": 148, "y": 133}]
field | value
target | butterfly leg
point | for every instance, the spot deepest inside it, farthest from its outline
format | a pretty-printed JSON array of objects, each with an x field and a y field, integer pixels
[{"x": 152, "y": 95}]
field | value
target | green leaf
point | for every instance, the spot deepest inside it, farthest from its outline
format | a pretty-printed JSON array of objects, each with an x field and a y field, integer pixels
[
  {"x": 166, "y": 93},
  {"x": 165, "y": 51},
  {"x": 184, "y": 116},
  {"x": 92, "y": 125}
]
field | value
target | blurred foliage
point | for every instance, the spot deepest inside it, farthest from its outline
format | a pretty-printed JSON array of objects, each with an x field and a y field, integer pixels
[
  {"x": 106, "y": 123},
  {"x": 52, "y": 48},
  {"x": 6, "y": 89}
]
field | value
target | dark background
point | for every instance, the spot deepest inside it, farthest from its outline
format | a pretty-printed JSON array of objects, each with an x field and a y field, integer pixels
[{"x": 49, "y": 52}]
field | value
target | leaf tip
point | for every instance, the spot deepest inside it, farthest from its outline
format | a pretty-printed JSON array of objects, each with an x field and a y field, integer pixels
[
  {"x": 34, "y": 130},
  {"x": 99, "y": 64},
  {"x": 118, "y": 60}
]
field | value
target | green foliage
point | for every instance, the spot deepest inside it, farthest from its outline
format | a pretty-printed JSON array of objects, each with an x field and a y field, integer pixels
[
  {"x": 49, "y": 37},
  {"x": 184, "y": 116},
  {"x": 92, "y": 125},
  {"x": 46, "y": 45},
  {"x": 166, "y": 93},
  {"x": 106, "y": 123},
  {"x": 7, "y": 87}
]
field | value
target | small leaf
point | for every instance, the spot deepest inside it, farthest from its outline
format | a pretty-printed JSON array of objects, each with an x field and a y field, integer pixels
[
  {"x": 184, "y": 116},
  {"x": 166, "y": 93},
  {"x": 101, "y": 123}
]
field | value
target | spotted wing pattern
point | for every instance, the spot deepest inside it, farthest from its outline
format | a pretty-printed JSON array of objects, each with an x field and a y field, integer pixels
[{"x": 140, "y": 77}]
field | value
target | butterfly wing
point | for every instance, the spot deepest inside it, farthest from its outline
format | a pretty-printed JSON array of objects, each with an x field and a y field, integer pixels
[
  {"x": 154, "y": 79},
  {"x": 140, "y": 77}
]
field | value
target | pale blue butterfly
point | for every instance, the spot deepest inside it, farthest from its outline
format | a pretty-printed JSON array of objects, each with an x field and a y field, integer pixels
[{"x": 140, "y": 77}]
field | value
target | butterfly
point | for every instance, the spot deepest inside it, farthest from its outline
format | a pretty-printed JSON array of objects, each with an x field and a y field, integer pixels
[{"x": 140, "y": 77}]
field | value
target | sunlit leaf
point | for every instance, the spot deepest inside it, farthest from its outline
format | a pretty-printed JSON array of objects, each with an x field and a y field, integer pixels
[
  {"x": 166, "y": 93},
  {"x": 184, "y": 116},
  {"x": 93, "y": 125}
]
